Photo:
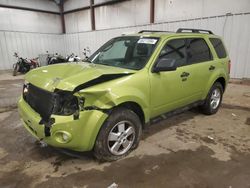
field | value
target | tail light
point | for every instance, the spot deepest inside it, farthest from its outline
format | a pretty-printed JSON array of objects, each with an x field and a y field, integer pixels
[{"x": 229, "y": 66}]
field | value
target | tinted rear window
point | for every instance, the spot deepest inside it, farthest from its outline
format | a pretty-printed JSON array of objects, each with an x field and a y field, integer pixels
[
  {"x": 198, "y": 51},
  {"x": 219, "y": 47}
]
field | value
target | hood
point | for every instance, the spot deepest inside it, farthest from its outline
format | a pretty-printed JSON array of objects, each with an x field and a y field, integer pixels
[{"x": 68, "y": 76}]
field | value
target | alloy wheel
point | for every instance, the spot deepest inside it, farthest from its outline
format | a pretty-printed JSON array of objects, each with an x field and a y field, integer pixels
[
  {"x": 215, "y": 98},
  {"x": 121, "y": 138}
]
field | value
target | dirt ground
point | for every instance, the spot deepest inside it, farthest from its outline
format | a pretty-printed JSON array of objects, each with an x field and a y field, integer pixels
[{"x": 188, "y": 150}]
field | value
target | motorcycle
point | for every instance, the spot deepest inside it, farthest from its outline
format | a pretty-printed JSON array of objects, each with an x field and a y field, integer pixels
[
  {"x": 86, "y": 52},
  {"x": 73, "y": 58},
  {"x": 23, "y": 65},
  {"x": 54, "y": 59}
]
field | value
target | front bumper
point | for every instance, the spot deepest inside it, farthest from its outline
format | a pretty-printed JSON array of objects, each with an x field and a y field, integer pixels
[{"x": 81, "y": 133}]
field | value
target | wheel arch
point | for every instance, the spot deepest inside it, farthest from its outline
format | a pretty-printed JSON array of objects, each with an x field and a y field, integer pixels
[
  {"x": 136, "y": 108},
  {"x": 221, "y": 79}
]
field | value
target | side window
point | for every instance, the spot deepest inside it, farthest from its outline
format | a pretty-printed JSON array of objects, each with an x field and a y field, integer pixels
[
  {"x": 175, "y": 49},
  {"x": 198, "y": 51},
  {"x": 219, "y": 47}
]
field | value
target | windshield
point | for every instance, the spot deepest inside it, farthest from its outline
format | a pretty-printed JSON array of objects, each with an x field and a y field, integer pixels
[{"x": 130, "y": 52}]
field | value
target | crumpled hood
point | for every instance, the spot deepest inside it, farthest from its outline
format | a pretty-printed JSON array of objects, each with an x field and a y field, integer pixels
[{"x": 68, "y": 76}]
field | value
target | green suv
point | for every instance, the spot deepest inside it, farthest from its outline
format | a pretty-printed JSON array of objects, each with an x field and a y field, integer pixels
[{"x": 103, "y": 104}]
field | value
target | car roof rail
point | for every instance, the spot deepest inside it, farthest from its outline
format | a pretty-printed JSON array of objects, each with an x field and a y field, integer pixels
[
  {"x": 187, "y": 30},
  {"x": 154, "y": 31}
]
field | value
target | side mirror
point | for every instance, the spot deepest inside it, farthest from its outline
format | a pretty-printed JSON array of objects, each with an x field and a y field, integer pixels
[{"x": 165, "y": 64}]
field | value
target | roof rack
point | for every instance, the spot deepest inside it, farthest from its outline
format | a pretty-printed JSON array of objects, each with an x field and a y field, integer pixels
[
  {"x": 153, "y": 31},
  {"x": 187, "y": 30}
]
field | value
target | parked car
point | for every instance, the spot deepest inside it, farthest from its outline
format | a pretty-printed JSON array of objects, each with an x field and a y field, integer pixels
[{"x": 103, "y": 104}]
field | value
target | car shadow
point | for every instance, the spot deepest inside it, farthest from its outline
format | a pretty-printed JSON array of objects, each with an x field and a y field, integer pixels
[{"x": 174, "y": 120}]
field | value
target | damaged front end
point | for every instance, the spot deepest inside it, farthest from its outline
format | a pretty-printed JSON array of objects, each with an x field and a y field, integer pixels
[
  {"x": 46, "y": 103},
  {"x": 67, "y": 118},
  {"x": 59, "y": 118}
]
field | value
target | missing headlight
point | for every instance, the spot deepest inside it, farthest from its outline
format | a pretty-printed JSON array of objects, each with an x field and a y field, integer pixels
[{"x": 65, "y": 103}]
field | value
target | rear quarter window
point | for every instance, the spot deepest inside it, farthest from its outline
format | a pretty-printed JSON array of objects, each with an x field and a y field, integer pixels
[{"x": 219, "y": 47}]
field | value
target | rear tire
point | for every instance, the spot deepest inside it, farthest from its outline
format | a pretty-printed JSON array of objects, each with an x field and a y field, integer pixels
[
  {"x": 213, "y": 100},
  {"x": 119, "y": 135}
]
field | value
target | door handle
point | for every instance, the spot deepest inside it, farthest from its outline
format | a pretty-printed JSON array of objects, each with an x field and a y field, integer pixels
[
  {"x": 185, "y": 74},
  {"x": 211, "y": 67}
]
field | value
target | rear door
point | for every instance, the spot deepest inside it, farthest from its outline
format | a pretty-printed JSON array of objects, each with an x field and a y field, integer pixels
[{"x": 200, "y": 58}]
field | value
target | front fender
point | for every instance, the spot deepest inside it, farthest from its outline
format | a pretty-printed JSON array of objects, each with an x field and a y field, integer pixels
[
  {"x": 109, "y": 98},
  {"x": 138, "y": 100}
]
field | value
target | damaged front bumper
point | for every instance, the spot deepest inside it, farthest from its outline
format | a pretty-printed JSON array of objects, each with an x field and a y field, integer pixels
[{"x": 65, "y": 131}]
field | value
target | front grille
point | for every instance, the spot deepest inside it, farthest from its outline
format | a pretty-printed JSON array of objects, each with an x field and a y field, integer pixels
[{"x": 40, "y": 100}]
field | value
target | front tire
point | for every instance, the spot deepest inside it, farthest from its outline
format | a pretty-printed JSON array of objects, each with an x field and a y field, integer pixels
[
  {"x": 213, "y": 100},
  {"x": 15, "y": 70},
  {"x": 118, "y": 136}
]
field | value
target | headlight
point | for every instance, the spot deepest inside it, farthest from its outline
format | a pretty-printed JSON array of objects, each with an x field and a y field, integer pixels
[{"x": 25, "y": 88}]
